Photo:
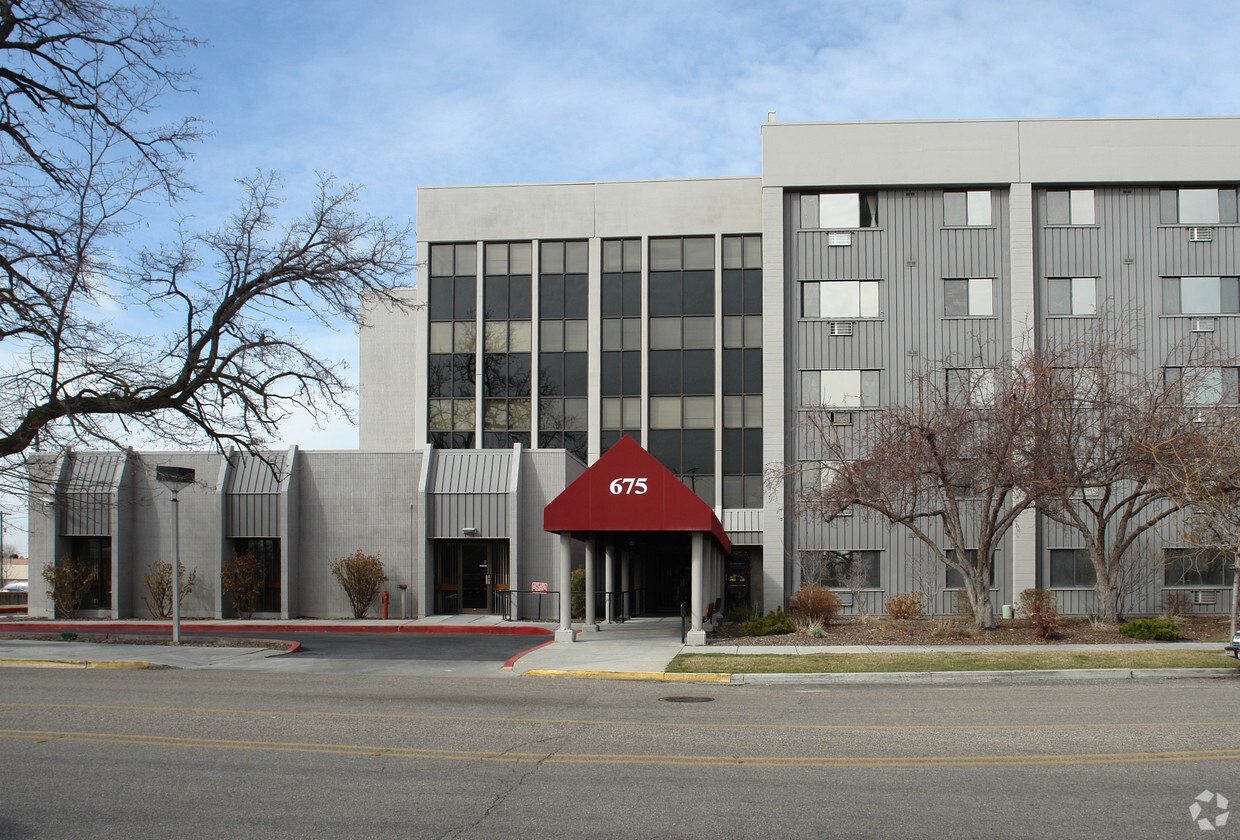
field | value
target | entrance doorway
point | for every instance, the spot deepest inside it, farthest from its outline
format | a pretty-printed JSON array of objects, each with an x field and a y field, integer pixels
[
  {"x": 665, "y": 573},
  {"x": 468, "y": 573}
]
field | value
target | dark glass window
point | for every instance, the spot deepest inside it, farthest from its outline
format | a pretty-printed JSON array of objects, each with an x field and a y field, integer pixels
[
  {"x": 266, "y": 550},
  {"x": 843, "y": 569},
  {"x": 1071, "y": 567},
  {"x": 665, "y": 372},
  {"x": 699, "y": 371},
  {"x": 96, "y": 553},
  {"x": 954, "y": 578},
  {"x": 1198, "y": 567}
]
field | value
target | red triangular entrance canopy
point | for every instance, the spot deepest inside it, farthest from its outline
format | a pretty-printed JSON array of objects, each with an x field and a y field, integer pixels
[{"x": 629, "y": 490}]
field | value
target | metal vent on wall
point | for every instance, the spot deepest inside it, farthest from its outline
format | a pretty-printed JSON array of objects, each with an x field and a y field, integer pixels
[
  {"x": 841, "y": 328},
  {"x": 1200, "y": 234},
  {"x": 839, "y": 238},
  {"x": 1205, "y": 598},
  {"x": 1203, "y": 325}
]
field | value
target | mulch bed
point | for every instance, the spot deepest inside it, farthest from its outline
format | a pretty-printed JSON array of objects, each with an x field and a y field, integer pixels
[{"x": 880, "y": 630}]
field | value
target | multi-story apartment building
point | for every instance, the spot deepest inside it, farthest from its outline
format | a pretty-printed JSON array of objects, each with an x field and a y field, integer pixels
[{"x": 703, "y": 318}]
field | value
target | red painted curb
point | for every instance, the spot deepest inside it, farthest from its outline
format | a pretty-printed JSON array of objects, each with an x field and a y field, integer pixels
[{"x": 508, "y": 665}]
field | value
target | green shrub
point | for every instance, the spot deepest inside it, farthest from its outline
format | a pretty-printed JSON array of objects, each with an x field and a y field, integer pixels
[
  {"x": 737, "y": 614},
  {"x": 905, "y": 606},
  {"x": 814, "y": 602},
  {"x": 1157, "y": 629},
  {"x": 361, "y": 576},
  {"x": 776, "y": 623}
]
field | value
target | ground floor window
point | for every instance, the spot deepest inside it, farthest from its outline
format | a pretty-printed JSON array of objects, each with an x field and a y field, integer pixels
[
  {"x": 842, "y": 569},
  {"x": 266, "y": 550},
  {"x": 96, "y": 553},
  {"x": 1071, "y": 567},
  {"x": 1198, "y": 567},
  {"x": 468, "y": 574},
  {"x": 955, "y": 580}
]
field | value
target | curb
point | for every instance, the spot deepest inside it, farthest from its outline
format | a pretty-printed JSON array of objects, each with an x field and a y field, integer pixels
[
  {"x": 73, "y": 663},
  {"x": 262, "y": 627},
  {"x": 508, "y": 666},
  {"x": 653, "y": 676},
  {"x": 1067, "y": 674}
]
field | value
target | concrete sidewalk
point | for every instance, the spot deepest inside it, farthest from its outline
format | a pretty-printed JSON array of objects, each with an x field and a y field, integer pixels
[{"x": 640, "y": 648}]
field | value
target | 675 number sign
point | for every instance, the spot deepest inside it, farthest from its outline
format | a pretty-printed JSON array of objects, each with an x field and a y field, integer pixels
[{"x": 629, "y": 487}]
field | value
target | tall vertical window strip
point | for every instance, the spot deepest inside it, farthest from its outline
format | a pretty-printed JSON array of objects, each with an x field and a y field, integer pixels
[
  {"x": 453, "y": 344},
  {"x": 507, "y": 310},
  {"x": 681, "y": 299},
  {"x": 742, "y": 371},
  {"x": 621, "y": 307},
  {"x": 563, "y": 298}
]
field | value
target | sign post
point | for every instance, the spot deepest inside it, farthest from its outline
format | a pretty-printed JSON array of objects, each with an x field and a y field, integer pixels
[{"x": 175, "y": 478}]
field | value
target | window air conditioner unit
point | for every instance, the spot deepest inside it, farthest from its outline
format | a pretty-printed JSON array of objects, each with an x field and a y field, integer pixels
[
  {"x": 1205, "y": 598},
  {"x": 841, "y": 328},
  {"x": 1203, "y": 325},
  {"x": 839, "y": 238},
  {"x": 841, "y": 418},
  {"x": 1200, "y": 234}
]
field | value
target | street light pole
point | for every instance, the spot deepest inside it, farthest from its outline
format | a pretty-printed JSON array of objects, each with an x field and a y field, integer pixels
[
  {"x": 174, "y": 478},
  {"x": 176, "y": 567}
]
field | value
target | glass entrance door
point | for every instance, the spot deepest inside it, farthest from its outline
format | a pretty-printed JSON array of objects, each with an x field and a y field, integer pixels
[
  {"x": 475, "y": 577},
  {"x": 468, "y": 573}
]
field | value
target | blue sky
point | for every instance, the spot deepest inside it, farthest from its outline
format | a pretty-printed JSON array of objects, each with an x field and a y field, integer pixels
[{"x": 393, "y": 94}]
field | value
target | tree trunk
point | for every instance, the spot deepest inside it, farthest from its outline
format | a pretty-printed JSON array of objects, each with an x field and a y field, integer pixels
[
  {"x": 1106, "y": 597},
  {"x": 983, "y": 610}
]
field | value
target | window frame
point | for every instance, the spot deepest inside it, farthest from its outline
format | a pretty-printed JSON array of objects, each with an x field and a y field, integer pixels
[
  {"x": 1081, "y": 563},
  {"x": 1073, "y": 298},
  {"x": 1171, "y": 206},
  {"x": 978, "y": 211},
  {"x": 973, "y": 295},
  {"x": 1217, "y": 560},
  {"x": 1079, "y": 205},
  {"x": 868, "y": 388}
]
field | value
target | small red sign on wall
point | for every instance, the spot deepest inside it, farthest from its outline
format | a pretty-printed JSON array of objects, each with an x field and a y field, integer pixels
[{"x": 538, "y": 587}]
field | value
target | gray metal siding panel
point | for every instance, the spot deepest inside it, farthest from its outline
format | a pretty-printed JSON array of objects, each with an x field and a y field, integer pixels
[
  {"x": 474, "y": 471},
  {"x": 252, "y": 474},
  {"x": 912, "y": 253},
  {"x": 87, "y": 494}
]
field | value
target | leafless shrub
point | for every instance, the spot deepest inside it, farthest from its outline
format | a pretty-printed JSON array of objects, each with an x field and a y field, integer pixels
[
  {"x": 158, "y": 582},
  {"x": 361, "y": 576},
  {"x": 242, "y": 581},
  {"x": 69, "y": 581}
]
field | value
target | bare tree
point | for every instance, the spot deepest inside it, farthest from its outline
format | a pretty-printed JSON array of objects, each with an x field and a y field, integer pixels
[
  {"x": 949, "y": 466},
  {"x": 224, "y": 371},
  {"x": 1098, "y": 413},
  {"x": 191, "y": 342},
  {"x": 1200, "y": 468}
]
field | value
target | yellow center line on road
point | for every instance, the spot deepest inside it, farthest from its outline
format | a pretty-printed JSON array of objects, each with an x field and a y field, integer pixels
[
  {"x": 626, "y": 758},
  {"x": 698, "y": 724}
]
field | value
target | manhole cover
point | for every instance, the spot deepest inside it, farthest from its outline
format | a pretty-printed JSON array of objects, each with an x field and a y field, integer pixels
[{"x": 686, "y": 699}]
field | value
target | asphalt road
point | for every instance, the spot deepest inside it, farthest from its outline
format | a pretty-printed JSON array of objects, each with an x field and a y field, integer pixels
[
  {"x": 407, "y": 654},
  {"x": 190, "y": 754}
]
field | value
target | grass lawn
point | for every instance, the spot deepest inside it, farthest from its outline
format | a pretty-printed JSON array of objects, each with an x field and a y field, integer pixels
[{"x": 1039, "y": 660}]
